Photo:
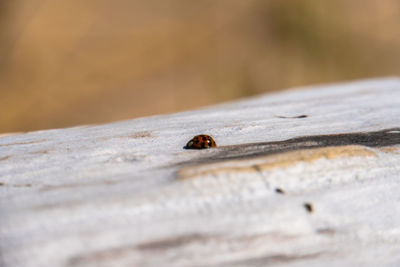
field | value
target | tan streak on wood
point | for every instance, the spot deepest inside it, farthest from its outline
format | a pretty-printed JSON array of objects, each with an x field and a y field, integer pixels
[
  {"x": 282, "y": 160},
  {"x": 390, "y": 149}
]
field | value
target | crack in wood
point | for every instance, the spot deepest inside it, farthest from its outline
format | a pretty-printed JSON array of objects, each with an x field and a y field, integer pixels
[
  {"x": 276, "y": 259},
  {"x": 291, "y": 117},
  {"x": 24, "y": 143},
  {"x": 170, "y": 243},
  {"x": 179, "y": 244}
]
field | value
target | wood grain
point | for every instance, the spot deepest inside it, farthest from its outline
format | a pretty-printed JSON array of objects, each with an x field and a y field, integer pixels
[{"x": 316, "y": 187}]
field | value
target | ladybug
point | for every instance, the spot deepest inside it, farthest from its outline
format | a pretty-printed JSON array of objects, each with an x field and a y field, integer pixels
[{"x": 201, "y": 141}]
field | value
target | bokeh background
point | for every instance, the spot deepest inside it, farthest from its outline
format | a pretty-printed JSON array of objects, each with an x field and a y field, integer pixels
[{"x": 69, "y": 62}]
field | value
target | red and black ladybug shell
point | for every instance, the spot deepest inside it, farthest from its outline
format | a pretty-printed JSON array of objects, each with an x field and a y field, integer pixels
[{"x": 200, "y": 142}]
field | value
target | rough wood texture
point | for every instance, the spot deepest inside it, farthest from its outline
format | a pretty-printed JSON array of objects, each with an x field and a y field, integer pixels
[{"x": 307, "y": 177}]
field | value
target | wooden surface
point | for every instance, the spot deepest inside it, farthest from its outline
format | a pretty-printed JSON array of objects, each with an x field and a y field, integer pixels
[{"x": 307, "y": 177}]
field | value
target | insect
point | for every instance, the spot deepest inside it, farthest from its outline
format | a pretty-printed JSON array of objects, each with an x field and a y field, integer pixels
[{"x": 201, "y": 141}]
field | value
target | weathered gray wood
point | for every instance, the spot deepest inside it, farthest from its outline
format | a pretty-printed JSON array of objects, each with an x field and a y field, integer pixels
[{"x": 306, "y": 177}]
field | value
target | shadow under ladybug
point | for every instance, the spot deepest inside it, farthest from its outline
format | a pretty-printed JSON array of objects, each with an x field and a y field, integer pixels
[{"x": 201, "y": 141}]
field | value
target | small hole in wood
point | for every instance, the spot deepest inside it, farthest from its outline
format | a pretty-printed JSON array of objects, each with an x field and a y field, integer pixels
[
  {"x": 308, "y": 207},
  {"x": 279, "y": 191}
]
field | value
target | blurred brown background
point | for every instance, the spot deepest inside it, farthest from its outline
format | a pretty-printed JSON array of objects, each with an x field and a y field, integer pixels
[{"x": 66, "y": 62}]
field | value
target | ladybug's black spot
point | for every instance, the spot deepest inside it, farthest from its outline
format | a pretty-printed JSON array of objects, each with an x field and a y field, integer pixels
[
  {"x": 204, "y": 138},
  {"x": 196, "y": 141},
  {"x": 203, "y": 145}
]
